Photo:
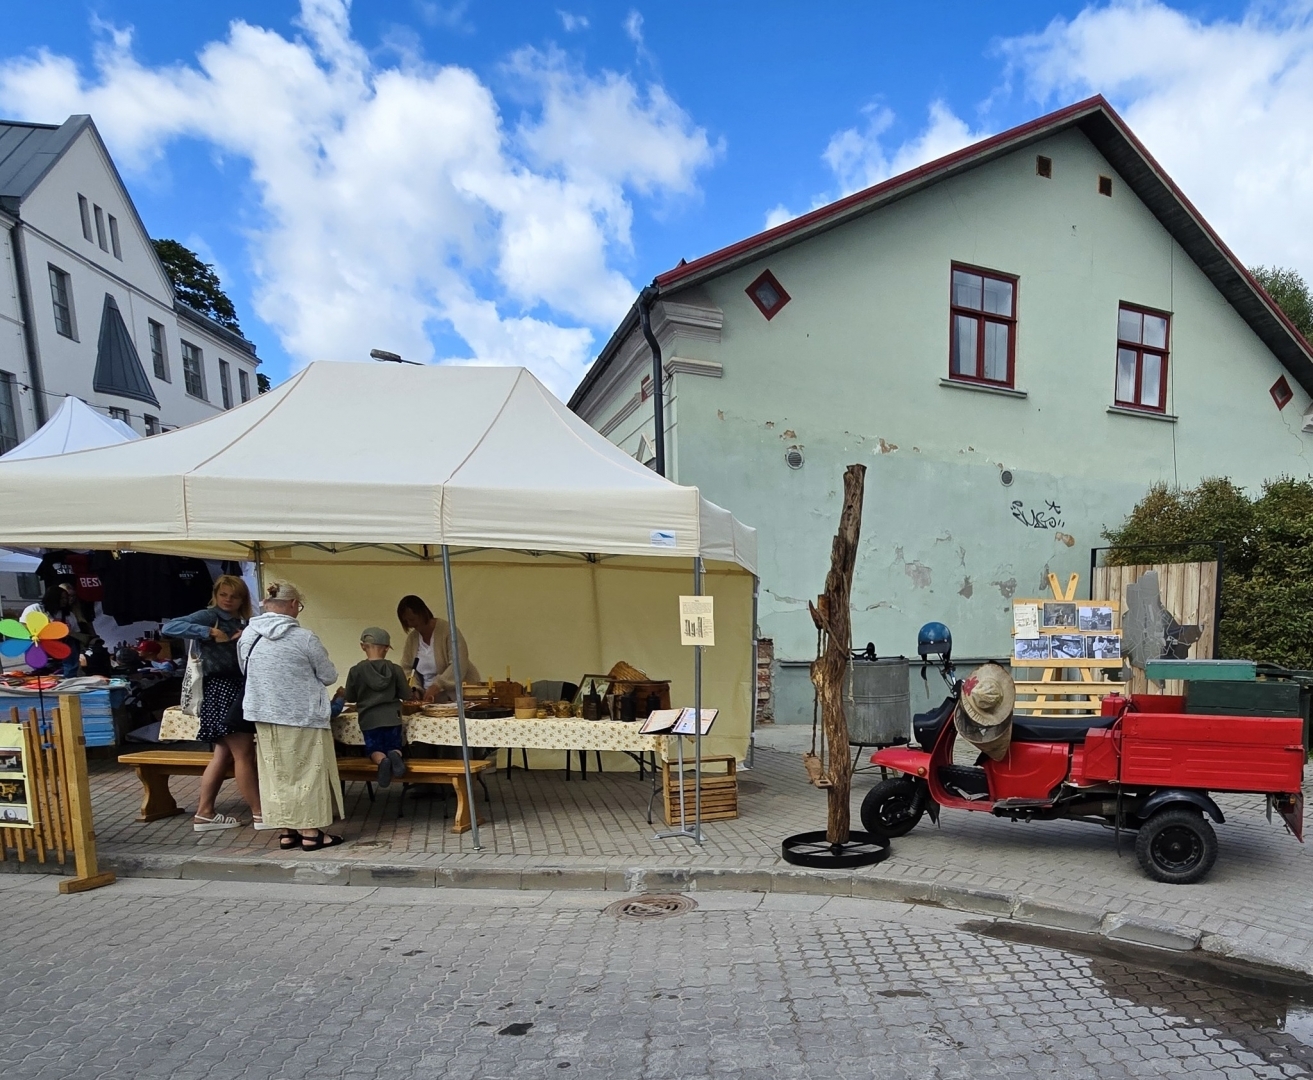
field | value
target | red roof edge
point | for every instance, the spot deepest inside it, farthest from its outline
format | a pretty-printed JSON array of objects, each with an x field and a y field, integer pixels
[{"x": 885, "y": 187}]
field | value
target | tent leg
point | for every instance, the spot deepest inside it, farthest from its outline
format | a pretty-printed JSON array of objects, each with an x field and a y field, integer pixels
[{"x": 460, "y": 698}]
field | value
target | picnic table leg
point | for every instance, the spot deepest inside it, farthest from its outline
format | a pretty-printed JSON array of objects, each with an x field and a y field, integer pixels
[
  {"x": 157, "y": 800},
  {"x": 462, "y": 822}
]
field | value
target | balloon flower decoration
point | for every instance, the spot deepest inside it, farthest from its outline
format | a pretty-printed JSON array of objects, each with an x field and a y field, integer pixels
[{"x": 37, "y": 639}]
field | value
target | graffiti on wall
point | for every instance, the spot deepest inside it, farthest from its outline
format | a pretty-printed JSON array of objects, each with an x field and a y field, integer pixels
[{"x": 1048, "y": 517}]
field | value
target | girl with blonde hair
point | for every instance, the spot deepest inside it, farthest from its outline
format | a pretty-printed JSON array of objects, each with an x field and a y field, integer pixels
[{"x": 214, "y": 632}]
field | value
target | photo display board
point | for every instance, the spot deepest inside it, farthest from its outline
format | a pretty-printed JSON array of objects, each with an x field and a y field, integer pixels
[
  {"x": 1066, "y": 633},
  {"x": 15, "y": 790}
]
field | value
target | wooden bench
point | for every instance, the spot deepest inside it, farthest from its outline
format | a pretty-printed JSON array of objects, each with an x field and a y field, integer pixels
[
  {"x": 154, "y": 767},
  {"x": 425, "y": 771}
]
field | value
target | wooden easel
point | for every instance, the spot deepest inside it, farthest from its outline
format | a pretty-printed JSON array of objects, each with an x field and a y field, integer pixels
[{"x": 1053, "y": 697}]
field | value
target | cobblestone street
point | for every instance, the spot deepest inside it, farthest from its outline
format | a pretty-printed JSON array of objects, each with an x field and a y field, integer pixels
[{"x": 216, "y": 980}]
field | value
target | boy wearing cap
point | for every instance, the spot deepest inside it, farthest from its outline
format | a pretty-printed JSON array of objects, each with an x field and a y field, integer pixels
[{"x": 378, "y": 687}]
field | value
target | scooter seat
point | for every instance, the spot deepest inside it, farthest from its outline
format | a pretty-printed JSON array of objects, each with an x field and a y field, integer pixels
[
  {"x": 1040, "y": 729},
  {"x": 926, "y": 726}
]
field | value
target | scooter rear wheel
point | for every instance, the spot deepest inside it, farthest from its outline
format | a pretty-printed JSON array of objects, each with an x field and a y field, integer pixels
[
  {"x": 893, "y": 807},
  {"x": 1177, "y": 846}
]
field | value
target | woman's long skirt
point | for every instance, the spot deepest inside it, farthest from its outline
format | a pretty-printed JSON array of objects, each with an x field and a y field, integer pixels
[{"x": 299, "y": 785}]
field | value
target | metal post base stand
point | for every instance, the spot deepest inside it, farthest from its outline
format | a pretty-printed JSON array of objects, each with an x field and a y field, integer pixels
[
  {"x": 683, "y": 832},
  {"x": 814, "y": 850}
]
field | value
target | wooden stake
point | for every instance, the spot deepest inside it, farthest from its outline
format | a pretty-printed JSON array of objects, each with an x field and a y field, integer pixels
[
  {"x": 833, "y": 613},
  {"x": 89, "y": 875}
]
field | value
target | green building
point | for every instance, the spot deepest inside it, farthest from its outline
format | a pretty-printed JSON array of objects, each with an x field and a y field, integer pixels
[{"x": 1016, "y": 340}]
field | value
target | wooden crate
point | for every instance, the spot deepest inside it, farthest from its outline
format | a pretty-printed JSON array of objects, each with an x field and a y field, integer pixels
[{"x": 720, "y": 790}]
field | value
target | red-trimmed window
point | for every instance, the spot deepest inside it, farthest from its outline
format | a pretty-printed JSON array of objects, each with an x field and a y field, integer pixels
[
  {"x": 1142, "y": 349},
  {"x": 768, "y": 294},
  {"x": 983, "y": 326}
]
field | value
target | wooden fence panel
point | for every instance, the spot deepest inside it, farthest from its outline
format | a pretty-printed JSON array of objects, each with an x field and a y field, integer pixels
[{"x": 1188, "y": 592}]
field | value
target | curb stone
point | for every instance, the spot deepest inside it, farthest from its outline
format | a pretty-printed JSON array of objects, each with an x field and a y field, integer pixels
[{"x": 1112, "y": 925}]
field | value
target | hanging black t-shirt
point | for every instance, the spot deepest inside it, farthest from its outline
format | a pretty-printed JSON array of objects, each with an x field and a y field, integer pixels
[
  {"x": 141, "y": 587},
  {"x": 71, "y": 568}
]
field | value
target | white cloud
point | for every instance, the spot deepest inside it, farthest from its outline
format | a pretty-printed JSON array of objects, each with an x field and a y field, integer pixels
[
  {"x": 571, "y": 22},
  {"x": 1223, "y": 105},
  {"x": 633, "y": 25},
  {"x": 859, "y": 158},
  {"x": 396, "y": 201}
]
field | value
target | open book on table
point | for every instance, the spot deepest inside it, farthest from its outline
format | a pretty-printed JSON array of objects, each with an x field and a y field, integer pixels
[{"x": 676, "y": 722}]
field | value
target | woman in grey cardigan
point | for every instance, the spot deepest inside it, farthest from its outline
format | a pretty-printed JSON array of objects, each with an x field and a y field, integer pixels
[{"x": 287, "y": 674}]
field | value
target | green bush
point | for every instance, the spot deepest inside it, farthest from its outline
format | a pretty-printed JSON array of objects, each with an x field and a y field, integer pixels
[{"x": 1267, "y": 560}]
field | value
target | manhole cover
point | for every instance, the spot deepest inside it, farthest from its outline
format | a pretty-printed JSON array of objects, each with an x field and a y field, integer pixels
[{"x": 651, "y": 907}]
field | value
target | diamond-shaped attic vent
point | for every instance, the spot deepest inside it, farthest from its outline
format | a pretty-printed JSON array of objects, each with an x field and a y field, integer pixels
[
  {"x": 1281, "y": 392},
  {"x": 768, "y": 294}
]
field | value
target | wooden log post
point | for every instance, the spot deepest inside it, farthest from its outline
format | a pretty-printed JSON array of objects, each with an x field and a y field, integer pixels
[
  {"x": 77, "y": 789},
  {"x": 835, "y": 619}
]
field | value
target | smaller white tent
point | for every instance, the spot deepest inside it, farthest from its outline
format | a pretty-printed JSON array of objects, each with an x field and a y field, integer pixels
[{"x": 75, "y": 426}]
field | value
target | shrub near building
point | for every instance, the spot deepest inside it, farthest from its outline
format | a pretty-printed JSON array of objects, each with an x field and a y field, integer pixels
[{"x": 1267, "y": 558}]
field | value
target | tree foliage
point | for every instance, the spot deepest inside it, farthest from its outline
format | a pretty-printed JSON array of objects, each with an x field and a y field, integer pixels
[
  {"x": 1291, "y": 293},
  {"x": 1267, "y": 561},
  {"x": 196, "y": 284}
]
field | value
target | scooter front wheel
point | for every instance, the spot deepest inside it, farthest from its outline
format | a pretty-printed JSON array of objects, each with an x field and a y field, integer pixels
[{"x": 894, "y": 806}]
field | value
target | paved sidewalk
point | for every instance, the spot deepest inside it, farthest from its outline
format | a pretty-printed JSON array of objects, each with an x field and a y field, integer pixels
[{"x": 547, "y": 832}]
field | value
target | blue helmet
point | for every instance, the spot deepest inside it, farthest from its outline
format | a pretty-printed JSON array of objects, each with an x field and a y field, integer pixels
[{"x": 934, "y": 637}]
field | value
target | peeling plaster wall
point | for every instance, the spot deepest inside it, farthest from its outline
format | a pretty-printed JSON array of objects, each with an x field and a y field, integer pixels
[{"x": 852, "y": 370}]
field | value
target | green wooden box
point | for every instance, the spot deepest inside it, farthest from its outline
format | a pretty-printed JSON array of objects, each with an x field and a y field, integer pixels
[
  {"x": 1263, "y": 697},
  {"x": 1200, "y": 670}
]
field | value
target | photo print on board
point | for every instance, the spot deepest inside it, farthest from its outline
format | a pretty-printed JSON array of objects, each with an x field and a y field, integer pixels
[
  {"x": 1103, "y": 647},
  {"x": 1036, "y": 648},
  {"x": 1095, "y": 618},
  {"x": 1059, "y": 615},
  {"x": 1067, "y": 647}
]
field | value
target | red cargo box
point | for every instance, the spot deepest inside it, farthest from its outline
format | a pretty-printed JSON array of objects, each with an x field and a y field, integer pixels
[{"x": 1216, "y": 753}]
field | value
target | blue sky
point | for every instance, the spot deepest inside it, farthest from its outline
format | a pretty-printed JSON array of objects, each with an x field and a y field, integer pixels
[{"x": 492, "y": 181}]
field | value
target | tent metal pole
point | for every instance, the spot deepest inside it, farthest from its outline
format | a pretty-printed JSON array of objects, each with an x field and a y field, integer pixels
[
  {"x": 756, "y": 660},
  {"x": 697, "y": 716},
  {"x": 460, "y": 699}
]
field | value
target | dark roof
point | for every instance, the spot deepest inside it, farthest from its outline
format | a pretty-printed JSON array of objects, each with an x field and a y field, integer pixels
[
  {"x": 27, "y": 153},
  {"x": 217, "y": 329},
  {"x": 118, "y": 367},
  {"x": 1099, "y": 122}
]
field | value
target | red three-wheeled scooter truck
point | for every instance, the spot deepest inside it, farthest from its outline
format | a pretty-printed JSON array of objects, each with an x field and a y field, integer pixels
[{"x": 1145, "y": 765}]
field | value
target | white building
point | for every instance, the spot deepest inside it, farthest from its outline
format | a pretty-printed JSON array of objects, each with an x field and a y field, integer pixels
[{"x": 86, "y": 307}]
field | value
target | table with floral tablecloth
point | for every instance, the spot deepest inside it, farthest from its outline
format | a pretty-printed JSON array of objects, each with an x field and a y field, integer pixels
[{"x": 555, "y": 733}]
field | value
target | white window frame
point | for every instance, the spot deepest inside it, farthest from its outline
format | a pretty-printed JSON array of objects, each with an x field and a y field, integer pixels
[
  {"x": 101, "y": 242},
  {"x": 225, "y": 383},
  {"x": 84, "y": 212},
  {"x": 244, "y": 385},
  {"x": 61, "y": 295},
  {"x": 9, "y": 411},
  {"x": 199, "y": 373},
  {"x": 114, "y": 237},
  {"x": 159, "y": 358}
]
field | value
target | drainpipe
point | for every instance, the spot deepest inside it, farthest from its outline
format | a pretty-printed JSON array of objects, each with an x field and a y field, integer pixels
[
  {"x": 34, "y": 379},
  {"x": 645, "y": 301}
]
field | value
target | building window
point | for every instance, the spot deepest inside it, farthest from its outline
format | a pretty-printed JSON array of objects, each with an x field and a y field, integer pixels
[
  {"x": 84, "y": 209},
  {"x": 100, "y": 229},
  {"x": 983, "y": 332},
  {"x": 114, "y": 237},
  {"x": 1044, "y": 166},
  {"x": 225, "y": 384},
  {"x": 193, "y": 370},
  {"x": 159, "y": 350},
  {"x": 120, "y": 414},
  {"x": 1281, "y": 392},
  {"x": 244, "y": 384},
  {"x": 61, "y": 295},
  {"x": 8, "y": 413},
  {"x": 152, "y": 424},
  {"x": 1142, "y": 358},
  {"x": 768, "y": 294},
  {"x": 1105, "y": 186}
]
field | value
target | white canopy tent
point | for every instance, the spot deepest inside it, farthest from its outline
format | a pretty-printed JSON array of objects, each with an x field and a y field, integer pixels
[
  {"x": 358, "y": 480},
  {"x": 75, "y": 426}
]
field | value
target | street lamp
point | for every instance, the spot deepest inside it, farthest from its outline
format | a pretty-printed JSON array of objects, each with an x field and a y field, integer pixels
[{"x": 391, "y": 357}]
